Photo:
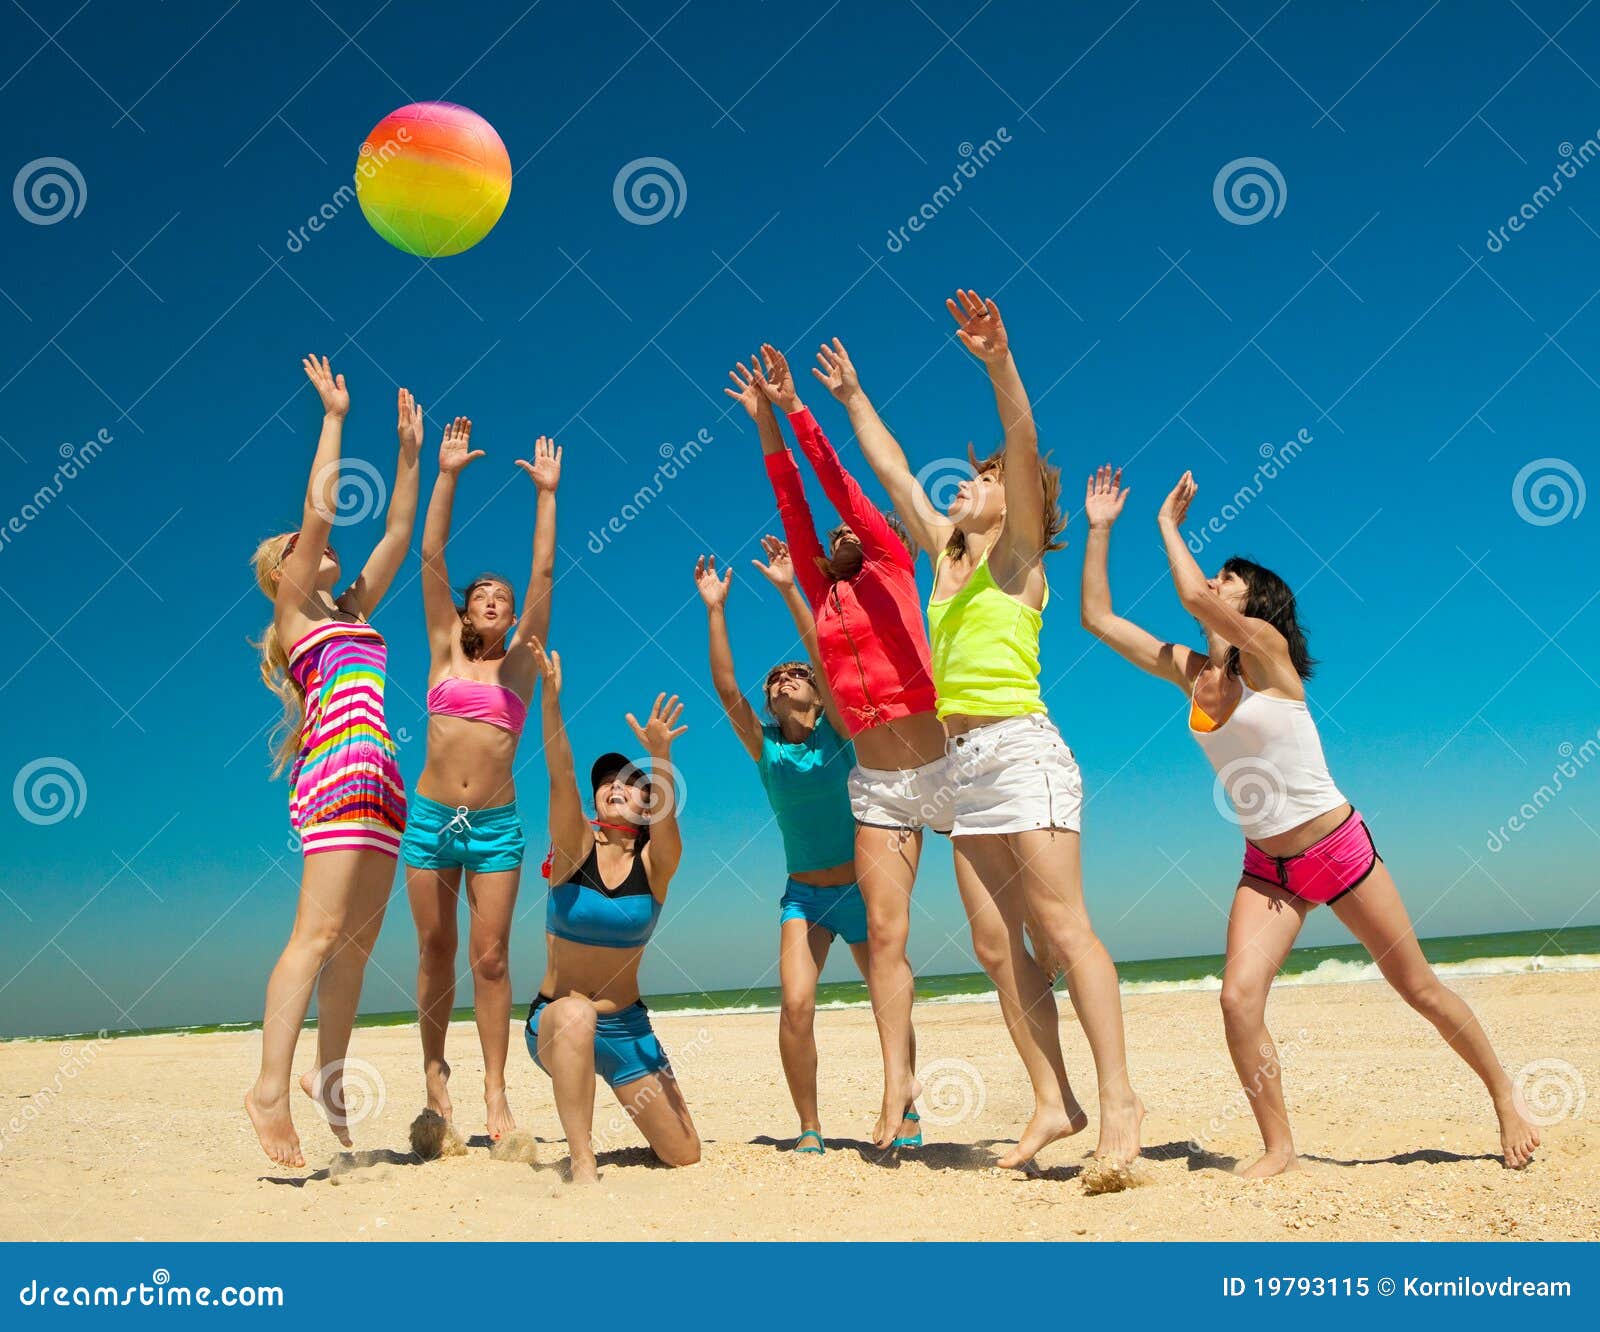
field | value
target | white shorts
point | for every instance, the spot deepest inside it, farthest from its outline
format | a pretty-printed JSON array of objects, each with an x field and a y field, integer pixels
[
  {"x": 1014, "y": 776},
  {"x": 903, "y": 797}
]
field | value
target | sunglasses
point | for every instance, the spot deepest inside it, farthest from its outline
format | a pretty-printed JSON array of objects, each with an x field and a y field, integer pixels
[
  {"x": 293, "y": 541},
  {"x": 790, "y": 673}
]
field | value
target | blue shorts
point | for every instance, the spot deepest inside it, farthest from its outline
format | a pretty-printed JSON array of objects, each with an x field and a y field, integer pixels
[
  {"x": 625, "y": 1044},
  {"x": 837, "y": 910},
  {"x": 485, "y": 841}
]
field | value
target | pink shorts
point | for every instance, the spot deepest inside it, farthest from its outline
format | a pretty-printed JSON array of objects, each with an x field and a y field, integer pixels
[{"x": 1325, "y": 871}]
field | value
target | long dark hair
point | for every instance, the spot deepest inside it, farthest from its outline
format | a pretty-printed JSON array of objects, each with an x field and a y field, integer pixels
[
  {"x": 1267, "y": 597},
  {"x": 472, "y": 644}
]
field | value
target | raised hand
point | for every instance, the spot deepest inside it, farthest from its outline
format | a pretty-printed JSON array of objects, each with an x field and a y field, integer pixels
[
  {"x": 746, "y": 390},
  {"x": 1175, "y": 508},
  {"x": 661, "y": 727},
  {"x": 713, "y": 590},
  {"x": 779, "y": 568},
  {"x": 545, "y": 469},
  {"x": 456, "y": 451},
  {"x": 979, "y": 326},
  {"x": 1103, "y": 501},
  {"x": 837, "y": 372},
  {"x": 548, "y": 665},
  {"x": 777, "y": 380},
  {"x": 410, "y": 427},
  {"x": 329, "y": 386}
]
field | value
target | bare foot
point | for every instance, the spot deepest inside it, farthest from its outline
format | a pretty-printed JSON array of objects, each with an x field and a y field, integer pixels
[
  {"x": 1119, "y": 1132},
  {"x": 1267, "y": 1165},
  {"x": 892, "y": 1121},
  {"x": 329, "y": 1099},
  {"x": 438, "y": 1081},
  {"x": 1049, "y": 1124},
  {"x": 582, "y": 1172},
  {"x": 1518, "y": 1137},
  {"x": 500, "y": 1120},
  {"x": 275, "y": 1128}
]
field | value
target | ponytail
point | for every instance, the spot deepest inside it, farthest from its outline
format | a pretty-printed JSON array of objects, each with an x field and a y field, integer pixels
[{"x": 287, "y": 734}]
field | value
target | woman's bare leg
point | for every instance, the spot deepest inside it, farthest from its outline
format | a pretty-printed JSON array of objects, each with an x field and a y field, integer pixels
[
  {"x": 1374, "y": 913},
  {"x": 339, "y": 990},
  {"x": 1049, "y": 868},
  {"x": 886, "y": 866},
  {"x": 566, "y": 1049},
  {"x": 802, "y": 950},
  {"x": 1262, "y": 928},
  {"x": 986, "y": 876},
  {"x": 434, "y": 895},
  {"x": 655, "y": 1104},
  {"x": 492, "y": 900}
]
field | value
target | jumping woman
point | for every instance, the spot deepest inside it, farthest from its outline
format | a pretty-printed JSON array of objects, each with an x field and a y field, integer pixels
[
  {"x": 1305, "y": 844},
  {"x": 804, "y": 758},
  {"x": 1018, "y": 791},
  {"x": 862, "y": 591},
  {"x": 463, "y": 818},
  {"x": 347, "y": 801},
  {"x": 608, "y": 879}
]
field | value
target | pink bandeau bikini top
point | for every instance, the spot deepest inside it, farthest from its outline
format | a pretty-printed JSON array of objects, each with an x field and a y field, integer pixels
[{"x": 477, "y": 701}]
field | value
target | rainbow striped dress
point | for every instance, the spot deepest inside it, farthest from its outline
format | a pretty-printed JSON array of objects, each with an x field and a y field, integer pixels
[{"x": 346, "y": 790}]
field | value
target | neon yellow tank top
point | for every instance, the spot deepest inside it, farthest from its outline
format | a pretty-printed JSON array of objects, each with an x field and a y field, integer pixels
[{"x": 985, "y": 649}]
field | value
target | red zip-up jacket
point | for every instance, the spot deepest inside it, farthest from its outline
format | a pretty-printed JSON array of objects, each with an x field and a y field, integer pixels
[{"x": 869, "y": 628}]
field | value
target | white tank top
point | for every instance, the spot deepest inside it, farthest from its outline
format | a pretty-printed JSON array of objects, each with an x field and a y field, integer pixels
[{"x": 1269, "y": 761}]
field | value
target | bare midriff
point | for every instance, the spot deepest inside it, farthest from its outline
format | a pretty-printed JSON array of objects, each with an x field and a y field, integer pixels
[
  {"x": 1309, "y": 833},
  {"x": 469, "y": 763},
  {"x": 836, "y": 877},
  {"x": 608, "y": 977},
  {"x": 906, "y": 742}
]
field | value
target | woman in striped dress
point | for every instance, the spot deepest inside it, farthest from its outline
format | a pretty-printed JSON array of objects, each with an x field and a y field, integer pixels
[{"x": 347, "y": 801}]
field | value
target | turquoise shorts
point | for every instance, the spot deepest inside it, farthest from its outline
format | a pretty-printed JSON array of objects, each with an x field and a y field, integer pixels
[
  {"x": 625, "y": 1044},
  {"x": 837, "y": 910},
  {"x": 484, "y": 841}
]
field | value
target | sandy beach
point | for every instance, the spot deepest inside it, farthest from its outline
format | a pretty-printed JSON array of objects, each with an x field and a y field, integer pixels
[{"x": 143, "y": 1138}]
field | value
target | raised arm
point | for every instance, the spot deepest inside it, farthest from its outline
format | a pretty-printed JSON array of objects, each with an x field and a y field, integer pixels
[
  {"x": 790, "y": 491},
  {"x": 929, "y": 528},
  {"x": 438, "y": 601},
  {"x": 1102, "y": 505},
  {"x": 569, "y": 828},
  {"x": 545, "y": 471},
  {"x": 1257, "y": 639},
  {"x": 664, "y": 850},
  {"x": 779, "y": 571},
  {"x": 866, "y": 520},
  {"x": 297, "y": 583},
  {"x": 714, "y": 592},
  {"x": 362, "y": 596},
  {"x": 983, "y": 333}
]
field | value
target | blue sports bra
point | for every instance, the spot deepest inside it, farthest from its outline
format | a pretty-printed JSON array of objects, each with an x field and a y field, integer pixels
[{"x": 583, "y": 910}]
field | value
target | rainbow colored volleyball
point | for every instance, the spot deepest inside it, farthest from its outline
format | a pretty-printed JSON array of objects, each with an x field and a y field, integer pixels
[{"x": 433, "y": 178}]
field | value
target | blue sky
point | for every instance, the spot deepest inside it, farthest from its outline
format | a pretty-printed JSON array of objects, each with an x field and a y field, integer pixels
[{"x": 1429, "y": 368}]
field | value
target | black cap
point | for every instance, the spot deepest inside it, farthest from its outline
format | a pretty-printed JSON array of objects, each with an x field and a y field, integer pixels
[{"x": 609, "y": 765}]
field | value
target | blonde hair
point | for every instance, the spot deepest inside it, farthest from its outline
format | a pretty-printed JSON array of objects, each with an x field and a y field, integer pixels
[
  {"x": 286, "y": 736},
  {"x": 1055, "y": 518}
]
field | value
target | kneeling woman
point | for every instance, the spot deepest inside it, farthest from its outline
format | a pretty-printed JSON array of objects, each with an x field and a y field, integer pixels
[
  {"x": 608, "y": 879},
  {"x": 1305, "y": 844}
]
